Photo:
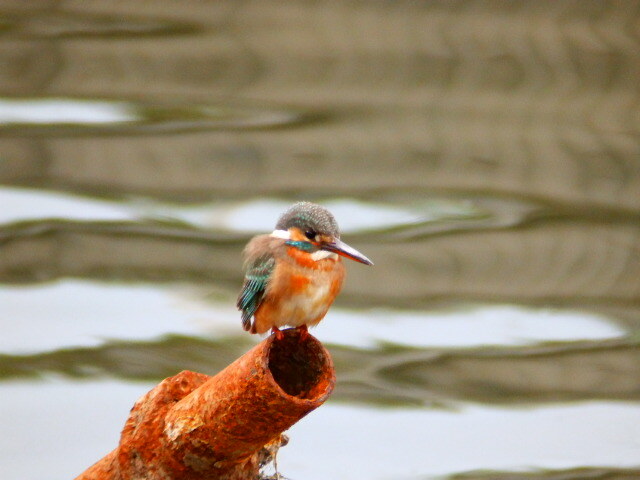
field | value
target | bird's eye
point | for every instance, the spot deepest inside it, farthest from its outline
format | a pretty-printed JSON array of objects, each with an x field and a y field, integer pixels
[{"x": 310, "y": 234}]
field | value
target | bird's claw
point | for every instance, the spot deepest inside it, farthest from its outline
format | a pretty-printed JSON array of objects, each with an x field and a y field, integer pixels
[
  {"x": 278, "y": 333},
  {"x": 304, "y": 333}
]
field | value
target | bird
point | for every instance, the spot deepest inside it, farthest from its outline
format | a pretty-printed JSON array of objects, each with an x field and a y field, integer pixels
[{"x": 293, "y": 274}]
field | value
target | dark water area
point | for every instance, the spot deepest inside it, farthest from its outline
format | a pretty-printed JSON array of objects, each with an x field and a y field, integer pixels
[{"x": 484, "y": 154}]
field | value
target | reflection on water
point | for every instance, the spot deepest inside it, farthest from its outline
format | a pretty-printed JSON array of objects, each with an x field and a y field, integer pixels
[
  {"x": 23, "y": 113},
  {"x": 485, "y": 155},
  {"x": 48, "y": 117}
]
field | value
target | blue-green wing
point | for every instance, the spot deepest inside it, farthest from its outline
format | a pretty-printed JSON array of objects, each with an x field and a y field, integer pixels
[{"x": 255, "y": 283}]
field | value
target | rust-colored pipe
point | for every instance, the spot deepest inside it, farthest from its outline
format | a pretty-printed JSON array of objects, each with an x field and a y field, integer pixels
[{"x": 192, "y": 426}]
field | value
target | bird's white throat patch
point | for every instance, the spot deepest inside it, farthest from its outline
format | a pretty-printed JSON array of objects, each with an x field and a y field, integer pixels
[{"x": 320, "y": 254}]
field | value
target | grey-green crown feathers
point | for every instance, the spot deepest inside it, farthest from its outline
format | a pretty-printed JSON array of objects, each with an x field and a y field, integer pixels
[{"x": 309, "y": 216}]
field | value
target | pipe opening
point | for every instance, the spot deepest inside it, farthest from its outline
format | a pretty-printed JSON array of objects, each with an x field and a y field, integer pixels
[{"x": 300, "y": 367}]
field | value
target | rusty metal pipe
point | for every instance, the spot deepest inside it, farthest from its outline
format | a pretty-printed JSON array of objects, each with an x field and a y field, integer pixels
[{"x": 192, "y": 426}]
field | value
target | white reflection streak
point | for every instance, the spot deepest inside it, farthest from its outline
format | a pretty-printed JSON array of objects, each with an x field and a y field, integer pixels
[{"x": 64, "y": 111}]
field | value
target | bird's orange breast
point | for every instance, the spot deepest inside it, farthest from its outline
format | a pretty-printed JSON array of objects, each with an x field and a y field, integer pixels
[
  {"x": 298, "y": 283},
  {"x": 301, "y": 291}
]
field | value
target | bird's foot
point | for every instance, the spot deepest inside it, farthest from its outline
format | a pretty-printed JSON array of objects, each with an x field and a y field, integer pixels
[
  {"x": 304, "y": 333},
  {"x": 278, "y": 333}
]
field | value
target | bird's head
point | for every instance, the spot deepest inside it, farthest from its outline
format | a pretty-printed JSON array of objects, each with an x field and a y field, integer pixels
[{"x": 311, "y": 228}]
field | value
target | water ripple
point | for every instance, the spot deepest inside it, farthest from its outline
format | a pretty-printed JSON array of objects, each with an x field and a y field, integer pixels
[
  {"x": 78, "y": 117},
  {"x": 68, "y": 24}
]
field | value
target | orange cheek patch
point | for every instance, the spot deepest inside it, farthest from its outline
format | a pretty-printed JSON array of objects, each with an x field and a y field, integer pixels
[{"x": 297, "y": 235}]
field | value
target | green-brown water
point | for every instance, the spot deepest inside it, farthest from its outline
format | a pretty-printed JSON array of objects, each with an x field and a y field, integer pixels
[{"x": 484, "y": 154}]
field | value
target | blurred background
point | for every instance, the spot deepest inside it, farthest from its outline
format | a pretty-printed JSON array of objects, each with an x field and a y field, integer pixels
[{"x": 484, "y": 154}]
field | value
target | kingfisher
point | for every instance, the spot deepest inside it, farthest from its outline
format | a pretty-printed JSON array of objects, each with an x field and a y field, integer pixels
[{"x": 293, "y": 274}]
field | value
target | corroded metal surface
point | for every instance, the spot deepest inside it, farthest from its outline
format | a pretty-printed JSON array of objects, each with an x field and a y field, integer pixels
[{"x": 192, "y": 426}]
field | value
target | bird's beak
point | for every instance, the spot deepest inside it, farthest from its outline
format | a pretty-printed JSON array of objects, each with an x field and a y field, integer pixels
[{"x": 345, "y": 250}]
